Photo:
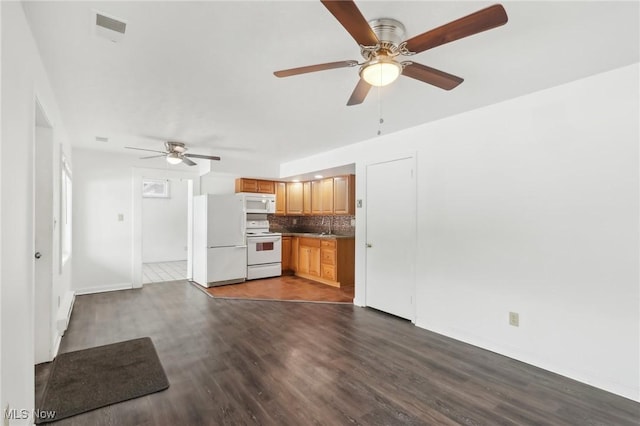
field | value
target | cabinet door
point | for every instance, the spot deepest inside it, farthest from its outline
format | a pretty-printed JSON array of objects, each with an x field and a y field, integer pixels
[
  {"x": 294, "y": 198},
  {"x": 281, "y": 198},
  {"x": 246, "y": 185},
  {"x": 266, "y": 187},
  {"x": 286, "y": 253},
  {"x": 303, "y": 259},
  {"x": 327, "y": 196},
  {"x": 343, "y": 195},
  {"x": 306, "y": 198},
  {"x": 314, "y": 261},
  {"x": 316, "y": 197}
]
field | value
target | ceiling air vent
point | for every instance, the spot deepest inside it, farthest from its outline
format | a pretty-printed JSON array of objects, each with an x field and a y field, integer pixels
[{"x": 109, "y": 27}]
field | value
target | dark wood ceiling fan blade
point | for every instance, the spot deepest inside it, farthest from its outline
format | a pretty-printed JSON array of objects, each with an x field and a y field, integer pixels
[
  {"x": 153, "y": 156},
  {"x": 359, "y": 93},
  {"x": 206, "y": 157},
  {"x": 142, "y": 149},
  {"x": 348, "y": 14},
  {"x": 314, "y": 68},
  {"x": 432, "y": 76},
  {"x": 482, "y": 20},
  {"x": 188, "y": 162}
]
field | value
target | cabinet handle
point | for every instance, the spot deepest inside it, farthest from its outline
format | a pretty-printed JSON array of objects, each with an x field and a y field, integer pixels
[{"x": 368, "y": 245}]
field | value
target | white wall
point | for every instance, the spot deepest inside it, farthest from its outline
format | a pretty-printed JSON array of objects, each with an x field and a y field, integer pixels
[
  {"x": 164, "y": 225},
  {"x": 101, "y": 243},
  {"x": 108, "y": 252},
  {"x": 530, "y": 205},
  {"x": 23, "y": 80},
  {"x": 218, "y": 183}
]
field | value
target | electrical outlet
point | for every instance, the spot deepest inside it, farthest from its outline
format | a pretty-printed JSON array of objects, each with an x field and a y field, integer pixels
[
  {"x": 514, "y": 319},
  {"x": 353, "y": 222},
  {"x": 359, "y": 204},
  {"x": 295, "y": 221}
]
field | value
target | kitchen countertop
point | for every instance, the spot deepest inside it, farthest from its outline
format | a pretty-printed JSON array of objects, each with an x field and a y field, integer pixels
[{"x": 316, "y": 235}]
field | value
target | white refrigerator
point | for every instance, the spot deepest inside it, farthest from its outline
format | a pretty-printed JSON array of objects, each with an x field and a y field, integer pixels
[{"x": 219, "y": 241}]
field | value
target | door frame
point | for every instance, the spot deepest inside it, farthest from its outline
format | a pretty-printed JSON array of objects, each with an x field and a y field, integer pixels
[
  {"x": 193, "y": 188},
  {"x": 361, "y": 293}
]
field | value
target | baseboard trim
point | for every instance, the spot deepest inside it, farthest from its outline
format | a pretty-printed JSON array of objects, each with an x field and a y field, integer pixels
[{"x": 104, "y": 288}]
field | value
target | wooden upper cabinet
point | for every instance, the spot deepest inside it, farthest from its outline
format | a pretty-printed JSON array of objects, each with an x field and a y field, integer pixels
[
  {"x": 316, "y": 197},
  {"x": 306, "y": 198},
  {"x": 294, "y": 198},
  {"x": 266, "y": 187},
  {"x": 246, "y": 185},
  {"x": 344, "y": 194},
  {"x": 281, "y": 198},
  {"x": 327, "y": 196},
  {"x": 255, "y": 185}
]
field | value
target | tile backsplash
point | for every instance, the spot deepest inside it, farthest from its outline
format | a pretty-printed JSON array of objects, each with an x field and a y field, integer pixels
[{"x": 337, "y": 224}]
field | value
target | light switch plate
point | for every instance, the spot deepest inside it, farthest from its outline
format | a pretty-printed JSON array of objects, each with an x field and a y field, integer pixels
[{"x": 514, "y": 319}]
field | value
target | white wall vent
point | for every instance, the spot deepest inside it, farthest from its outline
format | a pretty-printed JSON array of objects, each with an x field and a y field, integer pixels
[{"x": 108, "y": 27}]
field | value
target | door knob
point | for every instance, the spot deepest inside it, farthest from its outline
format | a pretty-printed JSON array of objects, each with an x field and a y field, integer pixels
[
  {"x": 368, "y": 245},
  {"x": 38, "y": 255}
]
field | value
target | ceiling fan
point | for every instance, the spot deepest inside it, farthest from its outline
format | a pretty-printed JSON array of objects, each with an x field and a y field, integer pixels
[
  {"x": 175, "y": 153},
  {"x": 381, "y": 43}
]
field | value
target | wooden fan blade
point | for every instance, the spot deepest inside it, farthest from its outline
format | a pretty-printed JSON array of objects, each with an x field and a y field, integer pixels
[
  {"x": 314, "y": 68},
  {"x": 359, "y": 93},
  {"x": 432, "y": 76},
  {"x": 188, "y": 162},
  {"x": 142, "y": 149},
  {"x": 482, "y": 20},
  {"x": 348, "y": 14},
  {"x": 153, "y": 156},
  {"x": 206, "y": 157}
]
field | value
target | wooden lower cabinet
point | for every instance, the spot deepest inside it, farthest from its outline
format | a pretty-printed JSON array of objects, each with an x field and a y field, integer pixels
[
  {"x": 286, "y": 254},
  {"x": 330, "y": 261},
  {"x": 295, "y": 253},
  {"x": 309, "y": 257}
]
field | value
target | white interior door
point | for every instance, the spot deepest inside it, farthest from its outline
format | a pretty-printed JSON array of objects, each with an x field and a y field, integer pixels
[
  {"x": 391, "y": 237},
  {"x": 44, "y": 306}
]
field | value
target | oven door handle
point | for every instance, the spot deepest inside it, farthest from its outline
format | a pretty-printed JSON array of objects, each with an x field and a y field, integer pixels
[{"x": 264, "y": 239}]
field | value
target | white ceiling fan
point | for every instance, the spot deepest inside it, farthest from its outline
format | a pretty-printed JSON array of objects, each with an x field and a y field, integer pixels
[{"x": 175, "y": 153}]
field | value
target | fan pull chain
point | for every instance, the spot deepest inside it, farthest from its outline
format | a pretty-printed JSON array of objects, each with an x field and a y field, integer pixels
[{"x": 380, "y": 120}]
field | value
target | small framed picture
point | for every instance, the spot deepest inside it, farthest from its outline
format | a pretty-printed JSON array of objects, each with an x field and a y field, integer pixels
[{"x": 155, "y": 188}]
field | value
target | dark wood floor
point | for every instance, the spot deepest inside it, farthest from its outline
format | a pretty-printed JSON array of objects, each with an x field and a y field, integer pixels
[
  {"x": 286, "y": 287},
  {"x": 278, "y": 363}
]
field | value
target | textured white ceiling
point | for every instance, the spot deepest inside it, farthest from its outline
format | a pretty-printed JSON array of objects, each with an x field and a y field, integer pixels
[{"x": 201, "y": 72}]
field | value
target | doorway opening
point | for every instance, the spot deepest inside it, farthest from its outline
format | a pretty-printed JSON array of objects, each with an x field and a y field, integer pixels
[
  {"x": 162, "y": 225},
  {"x": 164, "y": 229}
]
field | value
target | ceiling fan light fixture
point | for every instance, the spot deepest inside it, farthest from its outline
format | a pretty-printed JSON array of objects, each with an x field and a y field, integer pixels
[
  {"x": 174, "y": 158},
  {"x": 381, "y": 71}
]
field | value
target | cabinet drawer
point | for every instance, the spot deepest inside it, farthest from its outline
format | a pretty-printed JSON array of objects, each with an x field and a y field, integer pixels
[
  {"x": 328, "y": 244},
  {"x": 310, "y": 242},
  {"x": 328, "y": 256},
  {"x": 329, "y": 272}
]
